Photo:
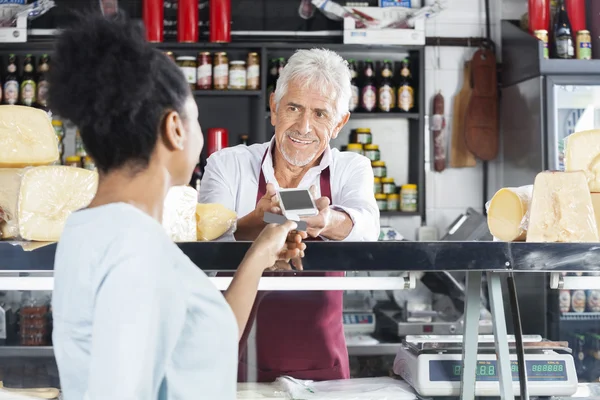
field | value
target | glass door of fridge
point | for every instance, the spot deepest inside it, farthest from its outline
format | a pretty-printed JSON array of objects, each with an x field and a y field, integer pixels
[{"x": 573, "y": 106}]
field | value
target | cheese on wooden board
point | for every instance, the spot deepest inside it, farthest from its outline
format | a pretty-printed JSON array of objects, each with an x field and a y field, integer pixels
[
  {"x": 179, "y": 214},
  {"x": 37, "y": 201},
  {"x": 582, "y": 153},
  {"x": 27, "y": 137},
  {"x": 213, "y": 221},
  {"x": 561, "y": 209},
  {"x": 508, "y": 213}
]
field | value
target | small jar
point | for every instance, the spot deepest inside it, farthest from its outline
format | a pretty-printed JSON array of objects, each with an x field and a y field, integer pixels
[
  {"x": 237, "y": 75},
  {"x": 79, "y": 147},
  {"x": 189, "y": 68},
  {"x": 220, "y": 71},
  {"x": 377, "y": 188},
  {"x": 363, "y": 136},
  {"x": 88, "y": 163},
  {"x": 355, "y": 148},
  {"x": 381, "y": 201},
  {"x": 389, "y": 186},
  {"x": 372, "y": 152},
  {"x": 393, "y": 202},
  {"x": 204, "y": 71},
  {"x": 73, "y": 161},
  {"x": 379, "y": 169},
  {"x": 408, "y": 201},
  {"x": 253, "y": 71}
]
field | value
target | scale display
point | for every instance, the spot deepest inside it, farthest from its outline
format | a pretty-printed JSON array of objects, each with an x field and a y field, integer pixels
[{"x": 451, "y": 370}]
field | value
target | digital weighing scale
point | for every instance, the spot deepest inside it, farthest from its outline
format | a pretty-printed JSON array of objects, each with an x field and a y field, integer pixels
[{"x": 432, "y": 365}]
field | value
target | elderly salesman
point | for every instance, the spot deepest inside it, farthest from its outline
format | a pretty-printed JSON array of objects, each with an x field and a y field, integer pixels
[{"x": 301, "y": 333}]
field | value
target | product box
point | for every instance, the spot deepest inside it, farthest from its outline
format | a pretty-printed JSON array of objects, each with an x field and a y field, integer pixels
[{"x": 380, "y": 26}]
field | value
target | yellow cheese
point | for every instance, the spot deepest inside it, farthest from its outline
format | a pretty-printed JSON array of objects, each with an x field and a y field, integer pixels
[
  {"x": 179, "y": 219},
  {"x": 213, "y": 221},
  {"x": 582, "y": 153},
  {"x": 561, "y": 209},
  {"x": 596, "y": 205},
  {"x": 507, "y": 213},
  {"x": 37, "y": 201},
  {"x": 26, "y": 137}
]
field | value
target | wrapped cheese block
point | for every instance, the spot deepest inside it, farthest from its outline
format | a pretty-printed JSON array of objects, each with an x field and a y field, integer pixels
[
  {"x": 37, "y": 201},
  {"x": 596, "y": 205},
  {"x": 213, "y": 221},
  {"x": 179, "y": 214},
  {"x": 27, "y": 137},
  {"x": 582, "y": 153},
  {"x": 508, "y": 215},
  {"x": 561, "y": 209}
]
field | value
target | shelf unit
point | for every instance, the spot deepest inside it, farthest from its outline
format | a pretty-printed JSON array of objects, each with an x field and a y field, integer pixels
[{"x": 218, "y": 106}]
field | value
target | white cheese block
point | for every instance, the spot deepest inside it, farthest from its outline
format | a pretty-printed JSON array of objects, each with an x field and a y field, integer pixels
[
  {"x": 582, "y": 153},
  {"x": 508, "y": 213},
  {"x": 179, "y": 214},
  {"x": 561, "y": 209},
  {"x": 596, "y": 205},
  {"x": 213, "y": 221},
  {"x": 37, "y": 201},
  {"x": 27, "y": 137}
]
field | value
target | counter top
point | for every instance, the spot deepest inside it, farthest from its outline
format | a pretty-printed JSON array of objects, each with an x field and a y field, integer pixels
[{"x": 367, "y": 256}]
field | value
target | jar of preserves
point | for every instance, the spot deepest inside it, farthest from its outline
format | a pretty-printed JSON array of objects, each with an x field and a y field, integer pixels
[
  {"x": 220, "y": 71},
  {"x": 355, "y": 148},
  {"x": 253, "y": 71},
  {"x": 388, "y": 185},
  {"x": 364, "y": 136},
  {"x": 379, "y": 169},
  {"x": 372, "y": 152},
  {"x": 377, "y": 188},
  {"x": 381, "y": 201},
  {"x": 73, "y": 161},
  {"x": 88, "y": 163},
  {"x": 237, "y": 75},
  {"x": 204, "y": 71},
  {"x": 188, "y": 67},
  {"x": 393, "y": 202},
  {"x": 408, "y": 200},
  {"x": 59, "y": 129},
  {"x": 79, "y": 147}
]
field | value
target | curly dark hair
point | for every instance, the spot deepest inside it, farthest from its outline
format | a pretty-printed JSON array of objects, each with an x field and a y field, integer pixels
[{"x": 116, "y": 87}]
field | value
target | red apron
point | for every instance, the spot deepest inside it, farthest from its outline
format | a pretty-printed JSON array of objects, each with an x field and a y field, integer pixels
[{"x": 298, "y": 333}]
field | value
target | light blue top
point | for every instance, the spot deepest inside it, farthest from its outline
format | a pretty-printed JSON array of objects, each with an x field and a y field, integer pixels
[{"x": 134, "y": 318}]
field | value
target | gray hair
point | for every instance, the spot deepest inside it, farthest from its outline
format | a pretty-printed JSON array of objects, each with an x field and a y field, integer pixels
[{"x": 319, "y": 69}]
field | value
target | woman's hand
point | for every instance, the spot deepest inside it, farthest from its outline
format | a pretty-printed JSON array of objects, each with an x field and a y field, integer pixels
[{"x": 278, "y": 242}]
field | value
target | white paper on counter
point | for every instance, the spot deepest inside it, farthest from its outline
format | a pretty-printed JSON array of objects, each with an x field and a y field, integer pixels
[{"x": 383, "y": 388}]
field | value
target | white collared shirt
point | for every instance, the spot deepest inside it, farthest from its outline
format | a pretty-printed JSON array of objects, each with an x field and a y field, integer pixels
[{"x": 231, "y": 178}]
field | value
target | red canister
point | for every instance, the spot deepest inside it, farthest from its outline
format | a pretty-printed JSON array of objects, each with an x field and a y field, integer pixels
[
  {"x": 539, "y": 15},
  {"x": 217, "y": 140},
  {"x": 220, "y": 21},
  {"x": 576, "y": 12},
  {"x": 153, "y": 16},
  {"x": 187, "y": 21}
]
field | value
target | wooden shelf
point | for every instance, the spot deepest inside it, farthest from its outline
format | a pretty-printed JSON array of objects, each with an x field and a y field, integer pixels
[
  {"x": 238, "y": 93},
  {"x": 384, "y": 214},
  {"x": 382, "y": 115}
]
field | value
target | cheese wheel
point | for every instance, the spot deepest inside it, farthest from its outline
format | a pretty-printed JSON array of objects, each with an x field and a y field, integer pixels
[
  {"x": 561, "y": 209},
  {"x": 27, "y": 137},
  {"x": 582, "y": 153},
  {"x": 507, "y": 213},
  {"x": 213, "y": 221}
]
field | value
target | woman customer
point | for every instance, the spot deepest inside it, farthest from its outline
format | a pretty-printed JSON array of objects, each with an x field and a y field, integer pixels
[{"x": 134, "y": 319}]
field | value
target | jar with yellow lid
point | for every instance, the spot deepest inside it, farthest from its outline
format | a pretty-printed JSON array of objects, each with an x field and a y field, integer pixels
[
  {"x": 59, "y": 130},
  {"x": 388, "y": 185},
  {"x": 372, "y": 152},
  {"x": 381, "y": 201},
  {"x": 379, "y": 169},
  {"x": 393, "y": 202},
  {"x": 73, "y": 161},
  {"x": 355, "y": 148},
  {"x": 408, "y": 198},
  {"x": 88, "y": 163},
  {"x": 363, "y": 136},
  {"x": 377, "y": 188}
]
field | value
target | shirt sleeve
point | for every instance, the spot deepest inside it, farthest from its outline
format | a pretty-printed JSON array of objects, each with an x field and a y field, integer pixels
[
  {"x": 357, "y": 200},
  {"x": 138, "y": 318},
  {"x": 215, "y": 187}
]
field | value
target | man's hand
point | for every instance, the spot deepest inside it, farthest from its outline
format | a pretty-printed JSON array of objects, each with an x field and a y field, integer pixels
[
  {"x": 250, "y": 226},
  {"x": 320, "y": 222}
]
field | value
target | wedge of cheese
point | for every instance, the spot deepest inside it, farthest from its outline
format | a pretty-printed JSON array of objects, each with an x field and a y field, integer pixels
[
  {"x": 582, "y": 153},
  {"x": 179, "y": 213},
  {"x": 37, "y": 201},
  {"x": 561, "y": 209},
  {"x": 508, "y": 213},
  {"x": 27, "y": 137},
  {"x": 596, "y": 205},
  {"x": 213, "y": 221}
]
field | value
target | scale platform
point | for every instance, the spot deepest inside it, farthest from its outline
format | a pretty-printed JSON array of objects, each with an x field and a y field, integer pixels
[{"x": 432, "y": 365}]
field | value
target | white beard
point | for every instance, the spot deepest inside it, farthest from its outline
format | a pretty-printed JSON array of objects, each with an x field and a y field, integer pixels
[{"x": 295, "y": 159}]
